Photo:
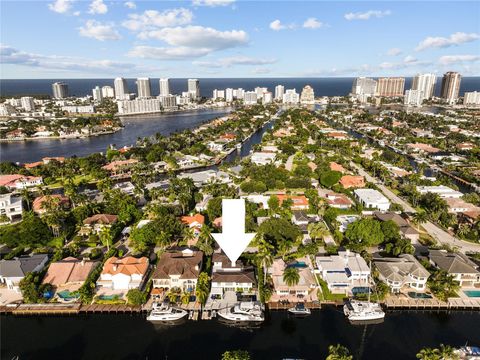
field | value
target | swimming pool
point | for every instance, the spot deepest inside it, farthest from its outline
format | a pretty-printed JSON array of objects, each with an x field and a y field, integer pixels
[
  {"x": 415, "y": 295},
  {"x": 67, "y": 295},
  {"x": 472, "y": 293},
  {"x": 298, "y": 264}
]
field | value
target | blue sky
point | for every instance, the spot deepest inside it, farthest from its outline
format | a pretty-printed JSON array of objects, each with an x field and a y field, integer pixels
[{"x": 228, "y": 38}]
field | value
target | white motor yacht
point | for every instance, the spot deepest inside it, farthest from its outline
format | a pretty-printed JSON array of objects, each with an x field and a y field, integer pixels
[
  {"x": 243, "y": 311},
  {"x": 299, "y": 309},
  {"x": 165, "y": 313},
  {"x": 363, "y": 311}
]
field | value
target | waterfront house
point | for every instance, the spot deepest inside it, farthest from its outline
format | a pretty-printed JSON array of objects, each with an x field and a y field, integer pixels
[
  {"x": 422, "y": 148},
  {"x": 11, "y": 207},
  {"x": 98, "y": 222},
  {"x": 178, "y": 269},
  {"x": 13, "y": 271},
  {"x": 344, "y": 273},
  {"x": 304, "y": 290},
  {"x": 352, "y": 181},
  {"x": 402, "y": 272},
  {"x": 406, "y": 230},
  {"x": 463, "y": 270},
  {"x": 231, "y": 277},
  {"x": 69, "y": 274},
  {"x": 40, "y": 203},
  {"x": 20, "y": 182},
  {"x": 371, "y": 198},
  {"x": 123, "y": 273}
]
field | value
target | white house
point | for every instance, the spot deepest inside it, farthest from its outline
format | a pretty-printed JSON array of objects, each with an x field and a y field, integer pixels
[
  {"x": 11, "y": 207},
  {"x": 13, "y": 271},
  {"x": 178, "y": 269},
  {"x": 371, "y": 198},
  {"x": 344, "y": 273},
  {"x": 123, "y": 273},
  {"x": 230, "y": 277},
  {"x": 443, "y": 191},
  {"x": 262, "y": 158},
  {"x": 404, "y": 271}
]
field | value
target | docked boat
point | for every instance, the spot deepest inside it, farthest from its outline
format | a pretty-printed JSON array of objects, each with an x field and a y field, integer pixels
[
  {"x": 468, "y": 352},
  {"x": 299, "y": 310},
  {"x": 244, "y": 312},
  {"x": 165, "y": 313},
  {"x": 238, "y": 146},
  {"x": 363, "y": 311}
]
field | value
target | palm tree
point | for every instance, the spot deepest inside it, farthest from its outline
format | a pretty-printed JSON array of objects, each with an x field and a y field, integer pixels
[
  {"x": 318, "y": 231},
  {"x": 27, "y": 197},
  {"x": 429, "y": 354},
  {"x": 447, "y": 352},
  {"x": 419, "y": 218},
  {"x": 205, "y": 240},
  {"x": 291, "y": 277},
  {"x": 185, "y": 298},
  {"x": 265, "y": 256},
  {"x": 338, "y": 352},
  {"x": 188, "y": 234},
  {"x": 106, "y": 237}
]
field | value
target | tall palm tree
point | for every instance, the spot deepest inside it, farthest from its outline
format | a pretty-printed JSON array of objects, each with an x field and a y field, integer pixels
[
  {"x": 419, "y": 218},
  {"x": 291, "y": 277},
  {"x": 27, "y": 197},
  {"x": 338, "y": 352},
  {"x": 265, "y": 256},
  {"x": 318, "y": 230},
  {"x": 205, "y": 240}
]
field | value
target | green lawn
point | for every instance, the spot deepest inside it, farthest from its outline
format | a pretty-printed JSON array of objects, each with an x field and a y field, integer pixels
[
  {"x": 76, "y": 180},
  {"x": 326, "y": 294}
]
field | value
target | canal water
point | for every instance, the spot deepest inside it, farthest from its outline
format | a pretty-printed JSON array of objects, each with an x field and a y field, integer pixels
[
  {"x": 135, "y": 127},
  {"x": 400, "y": 337}
]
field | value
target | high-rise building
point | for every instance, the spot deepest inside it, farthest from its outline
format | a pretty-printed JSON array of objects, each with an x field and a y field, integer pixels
[
  {"x": 144, "y": 89},
  {"x": 60, "y": 90},
  {"x": 390, "y": 86},
  {"x": 425, "y": 83},
  {"x": 139, "y": 106},
  {"x": 291, "y": 97},
  {"x": 250, "y": 98},
  {"x": 307, "y": 97},
  {"x": 471, "y": 98},
  {"x": 451, "y": 86},
  {"x": 168, "y": 101},
  {"x": 97, "y": 93},
  {"x": 229, "y": 94},
  {"x": 364, "y": 86},
  {"x": 218, "y": 94},
  {"x": 413, "y": 98},
  {"x": 267, "y": 97},
  {"x": 279, "y": 91},
  {"x": 108, "y": 92},
  {"x": 194, "y": 88},
  {"x": 260, "y": 91},
  {"x": 164, "y": 87},
  {"x": 27, "y": 103},
  {"x": 238, "y": 93},
  {"x": 121, "y": 88}
]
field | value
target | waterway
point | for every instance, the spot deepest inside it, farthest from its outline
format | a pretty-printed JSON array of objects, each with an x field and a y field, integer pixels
[
  {"x": 135, "y": 127},
  {"x": 400, "y": 337}
]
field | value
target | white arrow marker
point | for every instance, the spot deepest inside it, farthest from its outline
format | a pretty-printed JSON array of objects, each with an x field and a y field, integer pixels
[{"x": 233, "y": 239}]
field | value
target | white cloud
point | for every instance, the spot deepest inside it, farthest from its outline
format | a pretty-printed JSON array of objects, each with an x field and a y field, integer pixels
[
  {"x": 76, "y": 13},
  {"x": 166, "y": 53},
  {"x": 260, "y": 71},
  {"x": 60, "y": 6},
  {"x": 99, "y": 31},
  {"x": 14, "y": 56},
  {"x": 212, "y": 3},
  {"x": 312, "y": 23},
  {"x": 456, "y": 59},
  {"x": 130, "y": 5},
  {"x": 234, "y": 60},
  {"x": 153, "y": 19},
  {"x": 97, "y": 7},
  {"x": 394, "y": 52},
  {"x": 443, "y": 42},
  {"x": 198, "y": 37},
  {"x": 409, "y": 59},
  {"x": 277, "y": 25},
  {"x": 367, "y": 15}
]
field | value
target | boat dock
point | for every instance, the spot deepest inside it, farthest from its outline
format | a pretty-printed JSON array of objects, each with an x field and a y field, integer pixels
[
  {"x": 285, "y": 306},
  {"x": 431, "y": 304},
  {"x": 69, "y": 309}
]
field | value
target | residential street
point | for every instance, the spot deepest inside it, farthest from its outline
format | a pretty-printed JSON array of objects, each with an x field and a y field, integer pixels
[{"x": 433, "y": 230}]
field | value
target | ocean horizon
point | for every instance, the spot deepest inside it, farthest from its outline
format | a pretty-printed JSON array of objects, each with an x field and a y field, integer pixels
[{"x": 323, "y": 86}]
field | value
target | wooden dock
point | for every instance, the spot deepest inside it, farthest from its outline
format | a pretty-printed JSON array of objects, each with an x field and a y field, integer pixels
[
  {"x": 69, "y": 309},
  {"x": 283, "y": 306},
  {"x": 431, "y": 304}
]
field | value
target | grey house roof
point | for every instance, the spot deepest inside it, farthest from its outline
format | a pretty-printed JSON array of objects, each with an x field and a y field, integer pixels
[
  {"x": 396, "y": 269},
  {"x": 19, "y": 267},
  {"x": 452, "y": 263}
]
